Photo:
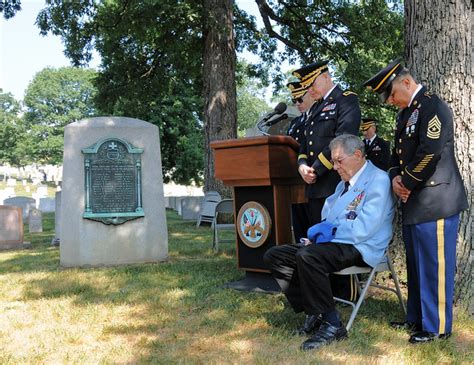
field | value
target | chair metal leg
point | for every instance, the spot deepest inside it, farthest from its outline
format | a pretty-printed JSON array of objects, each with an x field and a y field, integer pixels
[
  {"x": 397, "y": 285},
  {"x": 215, "y": 240},
  {"x": 361, "y": 299}
]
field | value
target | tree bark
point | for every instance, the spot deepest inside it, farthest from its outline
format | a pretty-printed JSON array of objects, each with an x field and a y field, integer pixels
[
  {"x": 438, "y": 49},
  {"x": 220, "y": 107}
]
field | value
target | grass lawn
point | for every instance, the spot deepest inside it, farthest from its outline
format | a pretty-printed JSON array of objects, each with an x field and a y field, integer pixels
[{"x": 178, "y": 312}]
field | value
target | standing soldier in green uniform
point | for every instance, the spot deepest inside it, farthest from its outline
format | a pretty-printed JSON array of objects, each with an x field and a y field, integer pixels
[{"x": 426, "y": 178}]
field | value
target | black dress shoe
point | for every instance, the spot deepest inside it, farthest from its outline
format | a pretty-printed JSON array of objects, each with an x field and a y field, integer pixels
[
  {"x": 408, "y": 326},
  {"x": 423, "y": 337},
  {"x": 326, "y": 334},
  {"x": 311, "y": 323}
]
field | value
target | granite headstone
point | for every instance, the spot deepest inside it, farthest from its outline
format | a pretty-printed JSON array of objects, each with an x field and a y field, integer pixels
[
  {"x": 23, "y": 202},
  {"x": 11, "y": 227},
  {"x": 35, "y": 221}
]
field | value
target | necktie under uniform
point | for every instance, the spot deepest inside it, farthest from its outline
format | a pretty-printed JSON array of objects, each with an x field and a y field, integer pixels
[{"x": 347, "y": 185}]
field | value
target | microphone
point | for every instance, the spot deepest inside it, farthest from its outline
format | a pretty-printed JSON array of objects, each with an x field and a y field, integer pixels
[
  {"x": 280, "y": 108},
  {"x": 276, "y": 120}
]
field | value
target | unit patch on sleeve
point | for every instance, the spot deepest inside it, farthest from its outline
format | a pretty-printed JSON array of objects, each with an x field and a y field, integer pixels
[{"x": 434, "y": 128}]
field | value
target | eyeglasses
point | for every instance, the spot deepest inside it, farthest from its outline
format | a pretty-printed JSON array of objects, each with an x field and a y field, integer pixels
[
  {"x": 339, "y": 160},
  {"x": 297, "y": 100}
]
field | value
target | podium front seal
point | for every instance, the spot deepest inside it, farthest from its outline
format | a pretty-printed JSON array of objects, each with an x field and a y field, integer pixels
[{"x": 253, "y": 224}]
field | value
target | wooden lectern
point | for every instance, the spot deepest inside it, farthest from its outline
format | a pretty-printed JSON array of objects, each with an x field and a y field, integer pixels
[{"x": 264, "y": 174}]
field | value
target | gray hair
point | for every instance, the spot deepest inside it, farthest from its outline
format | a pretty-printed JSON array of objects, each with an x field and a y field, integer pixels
[
  {"x": 402, "y": 73},
  {"x": 349, "y": 144}
]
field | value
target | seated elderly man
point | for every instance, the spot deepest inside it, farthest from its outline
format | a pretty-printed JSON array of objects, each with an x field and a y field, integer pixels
[{"x": 356, "y": 228}]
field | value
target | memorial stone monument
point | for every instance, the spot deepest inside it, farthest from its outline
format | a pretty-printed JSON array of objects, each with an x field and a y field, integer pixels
[{"x": 112, "y": 209}]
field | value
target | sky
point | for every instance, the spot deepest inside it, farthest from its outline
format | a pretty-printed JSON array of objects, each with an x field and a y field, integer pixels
[{"x": 24, "y": 52}]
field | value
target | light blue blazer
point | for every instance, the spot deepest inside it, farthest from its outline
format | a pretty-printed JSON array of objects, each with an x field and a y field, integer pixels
[{"x": 363, "y": 215}]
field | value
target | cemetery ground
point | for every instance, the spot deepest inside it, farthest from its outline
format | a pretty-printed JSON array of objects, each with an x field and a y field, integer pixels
[{"x": 178, "y": 312}]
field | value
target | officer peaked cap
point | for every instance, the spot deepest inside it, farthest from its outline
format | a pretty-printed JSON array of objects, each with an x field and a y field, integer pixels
[
  {"x": 297, "y": 90},
  {"x": 308, "y": 74},
  {"x": 367, "y": 123},
  {"x": 381, "y": 83}
]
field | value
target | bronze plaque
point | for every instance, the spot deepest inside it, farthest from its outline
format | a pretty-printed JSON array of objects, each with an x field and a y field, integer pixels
[{"x": 112, "y": 181}]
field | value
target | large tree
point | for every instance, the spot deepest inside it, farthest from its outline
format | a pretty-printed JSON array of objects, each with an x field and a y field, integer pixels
[
  {"x": 11, "y": 131},
  {"x": 152, "y": 57},
  {"x": 220, "y": 108},
  {"x": 438, "y": 48},
  {"x": 53, "y": 99}
]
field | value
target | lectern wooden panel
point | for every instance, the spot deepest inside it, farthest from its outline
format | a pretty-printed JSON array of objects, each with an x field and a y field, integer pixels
[{"x": 264, "y": 174}]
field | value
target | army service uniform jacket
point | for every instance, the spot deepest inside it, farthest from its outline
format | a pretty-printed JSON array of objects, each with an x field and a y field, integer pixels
[
  {"x": 379, "y": 153},
  {"x": 296, "y": 128},
  {"x": 339, "y": 113},
  {"x": 424, "y": 157}
]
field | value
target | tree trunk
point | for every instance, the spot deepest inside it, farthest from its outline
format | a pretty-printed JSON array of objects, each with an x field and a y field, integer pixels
[
  {"x": 438, "y": 41},
  {"x": 220, "y": 110}
]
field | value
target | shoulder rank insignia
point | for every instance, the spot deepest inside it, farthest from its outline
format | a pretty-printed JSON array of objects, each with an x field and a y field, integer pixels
[
  {"x": 434, "y": 128},
  {"x": 428, "y": 94},
  {"x": 347, "y": 93}
]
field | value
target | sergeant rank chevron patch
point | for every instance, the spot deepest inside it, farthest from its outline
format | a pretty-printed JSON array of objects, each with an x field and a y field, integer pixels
[{"x": 434, "y": 128}]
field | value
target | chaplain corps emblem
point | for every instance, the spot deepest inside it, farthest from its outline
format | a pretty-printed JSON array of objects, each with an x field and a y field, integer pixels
[{"x": 253, "y": 224}]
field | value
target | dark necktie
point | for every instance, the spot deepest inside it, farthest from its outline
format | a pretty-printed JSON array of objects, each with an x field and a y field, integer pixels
[{"x": 347, "y": 184}]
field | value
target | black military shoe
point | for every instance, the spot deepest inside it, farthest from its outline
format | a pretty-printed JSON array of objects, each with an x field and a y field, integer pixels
[
  {"x": 326, "y": 334},
  {"x": 423, "y": 337},
  {"x": 408, "y": 326},
  {"x": 311, "y": 323}
]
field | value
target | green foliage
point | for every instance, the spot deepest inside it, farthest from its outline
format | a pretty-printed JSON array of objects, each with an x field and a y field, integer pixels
[
  {"x": 151, "y": 55},
  {"x": 358, "y": 37},
  {"x": 251, "y": 102},
  {"x": 9, "y": 8},
  {"x": 11, "y": 130},
  {"x": 53, "y": 99}
]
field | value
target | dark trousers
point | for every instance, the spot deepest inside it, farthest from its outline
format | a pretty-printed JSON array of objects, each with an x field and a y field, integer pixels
[
  {"x": 343, "y": 287},
  {"x": 431, "y": 264},
  {"x": 300, "y": 220},
  {"x": 303, "y": 272}
]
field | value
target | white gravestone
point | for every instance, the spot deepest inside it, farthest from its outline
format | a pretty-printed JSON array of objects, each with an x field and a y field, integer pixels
[
  {"x": 11, "y": 182},
  {"x": 10, "y": 191},
  {"x": 86, "y": 242},
  {"x": 47, "y": 205},
  {"x": 24, "y": 202},
  {"x": 35, "y": 221},
  {"x": 57, "y": 220},
  {"x": 11, "y": 227},
  {"x": 191, "y": 207}
]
